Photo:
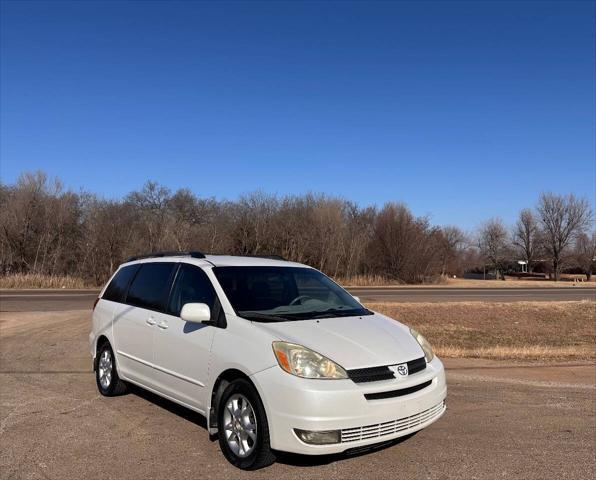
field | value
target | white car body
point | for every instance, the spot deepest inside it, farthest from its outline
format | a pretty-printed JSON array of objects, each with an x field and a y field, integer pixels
[{"x": 184, "y": 362}]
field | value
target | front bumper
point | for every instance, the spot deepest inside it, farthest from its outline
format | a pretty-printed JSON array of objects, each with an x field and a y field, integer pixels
[{"x": 292, "y": 402}]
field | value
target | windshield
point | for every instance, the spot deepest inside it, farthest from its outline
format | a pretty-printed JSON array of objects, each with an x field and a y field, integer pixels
[{"x": 285, "y": 293}]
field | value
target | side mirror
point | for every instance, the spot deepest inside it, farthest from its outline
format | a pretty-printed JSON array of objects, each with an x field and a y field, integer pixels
[
  {"x": 195, "y": 313},
  {"x": 356, "y": 298}
]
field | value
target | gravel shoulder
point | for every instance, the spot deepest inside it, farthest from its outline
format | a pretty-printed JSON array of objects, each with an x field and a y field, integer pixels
[{"x": 530, "y": 420}]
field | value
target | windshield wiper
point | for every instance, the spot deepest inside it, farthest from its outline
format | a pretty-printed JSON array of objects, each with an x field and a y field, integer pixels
[
  {"x": 261, "y": 317},
  {"x": 334, "y": 312}
]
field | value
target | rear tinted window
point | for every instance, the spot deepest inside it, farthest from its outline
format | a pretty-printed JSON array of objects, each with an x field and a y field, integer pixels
[
  {"x": 116, "y": 291},
  {"x": 150, "y": 287}
]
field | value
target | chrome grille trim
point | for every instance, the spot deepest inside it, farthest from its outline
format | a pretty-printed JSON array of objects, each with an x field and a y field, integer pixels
[
  {"x": 394, "y": 426},
  {"x": 377, "y": 374}
]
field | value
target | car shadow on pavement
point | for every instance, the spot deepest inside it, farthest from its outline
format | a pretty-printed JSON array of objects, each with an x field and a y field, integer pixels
[
  {"x": 292, "y": 459},
  {"x": 297, "y": 460},
  {"x": 170, "y": 406}
]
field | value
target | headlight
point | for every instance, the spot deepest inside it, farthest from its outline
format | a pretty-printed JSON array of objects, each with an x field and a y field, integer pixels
[
  {"x": 423, "y": 342},
  {"x": 305, "y": 363}
]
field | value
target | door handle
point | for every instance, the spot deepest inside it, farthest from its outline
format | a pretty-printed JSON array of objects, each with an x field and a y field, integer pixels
[
  {"x": 150, "y": 321},
  {"x": 162, "y": 325}
]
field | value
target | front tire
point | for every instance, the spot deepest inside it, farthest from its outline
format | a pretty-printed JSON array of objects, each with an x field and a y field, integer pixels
[
  {"x": 242, "y": 427},
  {"x": 108, "y": 382}
]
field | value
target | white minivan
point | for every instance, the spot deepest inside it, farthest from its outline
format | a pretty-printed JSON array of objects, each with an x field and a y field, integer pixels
[{"x": 274, "y": 354}]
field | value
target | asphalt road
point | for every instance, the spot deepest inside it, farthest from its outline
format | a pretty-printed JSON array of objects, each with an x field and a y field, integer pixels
[
  {"x": 46, "y": 300},
  {"x": 56, "y": 300},
  {"x": 502, "y": 422},
  {"x": 490, "y": 294}
]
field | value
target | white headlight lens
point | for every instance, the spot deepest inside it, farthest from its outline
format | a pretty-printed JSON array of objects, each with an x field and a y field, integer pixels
[
  {"x": 423, "y": 342},
  {"x": 305, "y": 363}
]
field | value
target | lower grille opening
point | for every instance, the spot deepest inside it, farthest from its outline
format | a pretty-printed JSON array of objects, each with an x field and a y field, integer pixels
[
  {"x": 397, "y": 393},
  {"x": 380, "y": 430}
]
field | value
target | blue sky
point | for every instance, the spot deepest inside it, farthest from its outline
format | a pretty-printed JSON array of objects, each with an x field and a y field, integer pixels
[{"x": 463, "y": 110}]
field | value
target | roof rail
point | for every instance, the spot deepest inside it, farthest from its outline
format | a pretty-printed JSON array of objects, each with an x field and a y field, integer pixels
[
  {"x": 271, "y": 257},
  {"x": 166, "y": 254}
]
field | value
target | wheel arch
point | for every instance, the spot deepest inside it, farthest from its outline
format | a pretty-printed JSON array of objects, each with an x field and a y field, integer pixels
[
  {"x": 100, "y": 340},
  {"x": 223, "y": 380}
]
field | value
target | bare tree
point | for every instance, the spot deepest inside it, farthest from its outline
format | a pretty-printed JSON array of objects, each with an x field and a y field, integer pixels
[
  {"x": 38, "y": 224},
  {"x": 253, "y": 216},
  {"x": 585, "y": 253},
  {"x": 150, "y": 205},
  {"x": 526, "y": 234},
  {"x": 451, "y": 242},
  {"x": 563, "y": 218},
  {"x": 358, "y": 234},
  {"x": 402, "y": 246},
  {"x": 48, "y": 230},
  {"x": 107, "y": 237},
  {"x": 492, "y": 241}
]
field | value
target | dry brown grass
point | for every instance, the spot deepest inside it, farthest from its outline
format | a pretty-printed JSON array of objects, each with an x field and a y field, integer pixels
[
  {"x": 514, "y": 283},
  {"x": 365, "y": 281},
  {"x": 517, "y": 330},
  {"x": 42, "y": 281},
  {"x": 381, "y": 281}
]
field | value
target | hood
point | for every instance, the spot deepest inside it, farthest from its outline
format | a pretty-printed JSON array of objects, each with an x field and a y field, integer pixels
[{"x": 352, "y": 342}]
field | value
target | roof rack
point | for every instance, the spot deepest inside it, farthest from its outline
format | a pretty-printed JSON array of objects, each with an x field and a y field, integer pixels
[
  {"x": 271, "y": 257},
  {"x": 166, "y": 254}
]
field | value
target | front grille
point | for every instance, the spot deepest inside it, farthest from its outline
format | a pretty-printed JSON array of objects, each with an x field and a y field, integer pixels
[
  {"x": 381, "y": 430},
  {"x": 376, "y": 374},
  {"x": 417, "y": 365},
  {"x": 397, "y": 393},
  {"x": 372, "y": 374}
]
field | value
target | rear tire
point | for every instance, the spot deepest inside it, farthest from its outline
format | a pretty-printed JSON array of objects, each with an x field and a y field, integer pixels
[
  {"x": 108, "y": 382},
  {"x": 242, "y": 427}
]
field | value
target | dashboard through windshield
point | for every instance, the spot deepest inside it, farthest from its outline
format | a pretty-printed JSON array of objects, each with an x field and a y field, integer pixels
[{"x": 273, "y": 294}]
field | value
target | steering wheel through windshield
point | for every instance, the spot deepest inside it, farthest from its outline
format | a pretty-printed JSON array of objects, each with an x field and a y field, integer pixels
[{"x": 300, "y": 300}]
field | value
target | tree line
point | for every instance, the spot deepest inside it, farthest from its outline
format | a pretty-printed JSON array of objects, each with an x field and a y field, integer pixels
[
  {"x": 554, "y": 236},
  {"x": 45, "y": 229}
]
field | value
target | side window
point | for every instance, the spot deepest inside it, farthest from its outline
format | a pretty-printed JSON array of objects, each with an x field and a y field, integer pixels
[
  {"x": 192, "y": 286},
  {"x": 116, "y": 291},
  {"x": 150, "y": 287}
]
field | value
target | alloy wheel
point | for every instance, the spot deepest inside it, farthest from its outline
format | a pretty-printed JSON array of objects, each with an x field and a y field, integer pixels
[
  {"x": 240, "y": 425},
  {"x": 104, "y": 368}
]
